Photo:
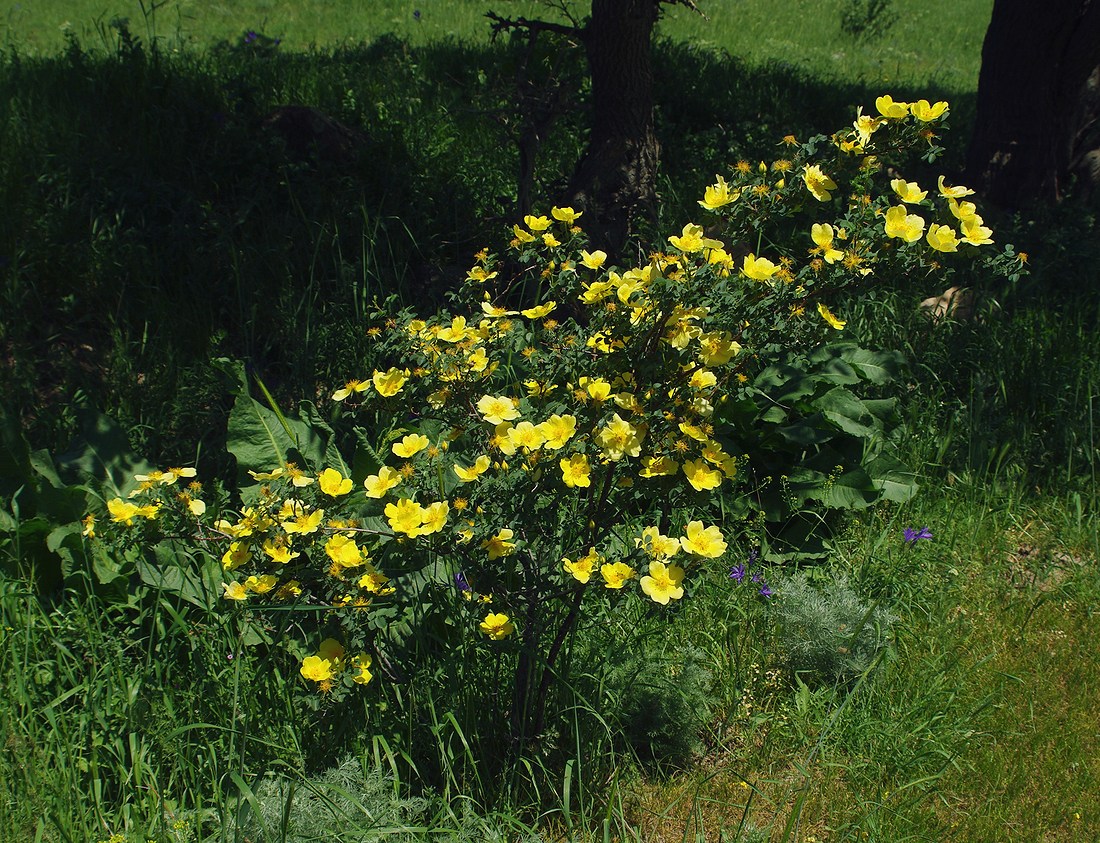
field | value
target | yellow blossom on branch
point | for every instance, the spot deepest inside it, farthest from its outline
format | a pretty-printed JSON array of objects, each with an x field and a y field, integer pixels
[
  {"x": 703, "y": 541},
  {"x": 497, "y": 626},
  {"x": 333, "y": 483},
  {"x": 389, "y": 383},
  {"x": 409, "y": 445},
  {"x": 379, "y": 484},
  {"x": 925, "y": 112},
  {"x": 496, "y": 409},
  {"x": 942, "y": 238},
  {"x": 890, "y": 109},
  {"x": 828, "y": 316},
  {"x": 662, "y": 583},
  {"x": 575, "y": 471},
  {"x": 818, "y": 183}
]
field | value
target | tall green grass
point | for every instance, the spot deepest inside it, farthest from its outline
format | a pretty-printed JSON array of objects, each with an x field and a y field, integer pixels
[{"x": 923, "y": 46}]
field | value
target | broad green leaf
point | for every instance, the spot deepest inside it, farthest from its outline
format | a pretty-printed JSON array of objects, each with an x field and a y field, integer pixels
[
  {"x": 892, "y": 478},
  {"x": 67, "y": 543},
  {"x": 878, "y": 367},
  {"x": 847, "y": 412},
  {"x": 808, "y": 431},
  {"x": 169, "y": 569},
  {"x": 101, "y": 458},
  {"x": 259, "y": 440}
]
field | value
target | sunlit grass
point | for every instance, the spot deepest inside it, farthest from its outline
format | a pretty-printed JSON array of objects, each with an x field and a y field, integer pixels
[{"x": 924, "y": 46}]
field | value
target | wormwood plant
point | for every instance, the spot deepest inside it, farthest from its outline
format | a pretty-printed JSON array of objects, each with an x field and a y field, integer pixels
[
  {"x": 827, "y": 633},
  {"x": 576, "y": 442}
]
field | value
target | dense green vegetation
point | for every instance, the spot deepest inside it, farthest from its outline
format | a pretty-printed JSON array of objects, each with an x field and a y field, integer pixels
[{"x": 154, "y": 223}]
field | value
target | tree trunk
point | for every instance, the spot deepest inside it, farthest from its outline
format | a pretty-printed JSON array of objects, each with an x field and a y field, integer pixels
[
  {"x": 1035, "y": 104},
  {"x": 616, "y": 177}
]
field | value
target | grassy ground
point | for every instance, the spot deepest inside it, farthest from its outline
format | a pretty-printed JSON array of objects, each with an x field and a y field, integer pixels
[
  {"x": 977, "y": 723},
  {"x": 923, "y": 46}
]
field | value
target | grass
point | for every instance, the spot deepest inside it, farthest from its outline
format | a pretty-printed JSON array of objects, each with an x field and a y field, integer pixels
[
  {"x": 923, "y": 46},
  {"x": 196, "y": 234}
]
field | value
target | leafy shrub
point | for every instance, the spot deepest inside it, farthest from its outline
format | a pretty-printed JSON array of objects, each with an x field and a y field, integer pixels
[
  {"x": 570, "y": 428},
  {"x": 662, "y": 704},
  {"x": 351, "y": 802},
  {"x": 828, "y": 634}
]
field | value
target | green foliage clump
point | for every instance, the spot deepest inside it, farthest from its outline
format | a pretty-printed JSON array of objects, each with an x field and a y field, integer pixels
[
  {"x": 661, "y": 704},
  {"x": 827, "y": 633},
  {"x": 566, "y": 450},
  {"x": 345, "y": 802}
]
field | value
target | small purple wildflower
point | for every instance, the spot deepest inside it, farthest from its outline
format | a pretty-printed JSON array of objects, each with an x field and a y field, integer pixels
[
  {"x": 765, "y": 591},
  {"x": 250, "y": 36},
  {"x": 737, "y": 572},
  {"x": 416, "y": 15},
  {"x": 912, "y": 535},
  {"x": 758, "y": 577},
  {"x": 461, "y": 582},
  {"x": 754, "y": 554}
]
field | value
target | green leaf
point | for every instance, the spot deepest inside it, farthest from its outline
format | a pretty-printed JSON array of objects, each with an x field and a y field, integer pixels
[
  {"x": 167, "y": 568},
  {"x": 67, "y": 543},
  {"x": 847, "y": 412},
  {"x": 783, "y": 384},
  {"x": 808, "y": 431},
  {"x": 852, "y": 490},
  {"x": 893, "y": 479},
  {"x": 101, "y": 457},
  {"x": 878, "y": 367},
  {"x": 260, "y": 439}
]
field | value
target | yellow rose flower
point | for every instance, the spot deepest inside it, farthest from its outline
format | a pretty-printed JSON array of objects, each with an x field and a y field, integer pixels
[
  {"x": 701, "y": 476},
  {"x": 409, "y": 445},
  {"x": 474, "y": 472},
  {"x": 616, "y": 574},
  {"x": 496, "y": 409},
  {"x": 566, "y": 215},
  {"x": 703, "y": 541},
  {"x": 818, "y": 183},
  {"x": 333, "y": 483},
  {"x": 718, "y": 194},
  {"x": 389, "y": 383},
  {"x": 828, "y": 316},
  {"x": 890, "y": 109},
  {"x": 662, "y": 584},
  {"x": 316, "y": 669},
  {"x": 593, "y": 260},
  {"x": 540, "y": 311},
  {"x": 500, "y": 545},
  {"x": 822, "y": 235},
  {"x": 942, "y": 238},
  {"x": 758, "y": 269},
  {"x": 619, "y": 438},
  {"x": 557, "y": 430},
  {"x": 583, "y": 568},
  {"x": 903, "y": 225},
  {"x": 379, "y": 484},
  {"x": 575, "y": 471},
  {"x": 925, "y": 112},
  {"x": 908, "y": 191},
  {"x": 497, "y": 626},
  {"x": 405, "y": 516}
]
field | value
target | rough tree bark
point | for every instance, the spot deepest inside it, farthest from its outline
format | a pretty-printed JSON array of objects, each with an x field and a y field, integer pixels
[
  {"x": 1037, "y": 100},
  {"x": 616, "y": 177}
]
